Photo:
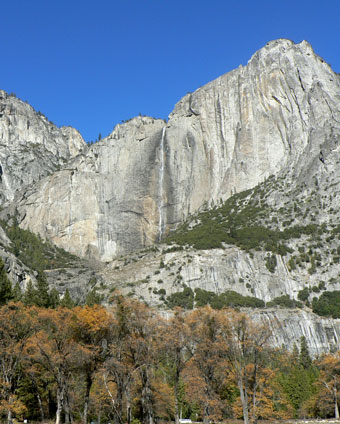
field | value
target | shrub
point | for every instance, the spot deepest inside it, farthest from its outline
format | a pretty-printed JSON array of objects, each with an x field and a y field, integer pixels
[
  {"x": 203, "y": 297},
  {"x": 285, "y": 301},
  {"x": 216, "y": 301},
  {"x": 234, "y": 299},
  {"x": 328, "y": 304},
  {"x": 271, "y": 263},
  {"x": 303, "y": 294},
  {"x": 184, "y": 299},
  {"x": 292, "y": 264}
]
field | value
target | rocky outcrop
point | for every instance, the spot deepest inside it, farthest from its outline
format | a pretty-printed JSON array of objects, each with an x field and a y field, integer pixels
[
  {"x": 31, "y": 147},
  {"x": 257, "y": 119},
  {"x": 107, "y": 200},
  {"x": 216, "y": 270},
  {"x": 227, "y": 136},
  {"x": 288, "y": 326},
  {"x": 278, "y": 116},
  {"x": 153, "y": 276},
  {"x": 17, "y": 272}
]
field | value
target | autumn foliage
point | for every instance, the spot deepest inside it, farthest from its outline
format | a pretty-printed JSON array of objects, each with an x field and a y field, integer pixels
[{"x": 128, "y": 364}]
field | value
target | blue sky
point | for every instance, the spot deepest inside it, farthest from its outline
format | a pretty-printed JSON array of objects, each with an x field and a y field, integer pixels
[{"x": 92, "y": 64}]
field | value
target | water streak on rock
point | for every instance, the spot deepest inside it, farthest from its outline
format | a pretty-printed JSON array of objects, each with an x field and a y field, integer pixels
[{"x": 161, "y": 188}]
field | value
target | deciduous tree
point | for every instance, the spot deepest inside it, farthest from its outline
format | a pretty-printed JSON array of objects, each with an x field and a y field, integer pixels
[
  {"x": 54, "y": 348},
  {"x": 92, "y": 332},
  {"x": 207, "y": 363},
  {"x": 176, "y": 350},
  {"x": 245, "y": 342},
  {"x": 329, "y": 380},
  {"x": 132, "y": 357},
  {"x": 15, "y": 329}
]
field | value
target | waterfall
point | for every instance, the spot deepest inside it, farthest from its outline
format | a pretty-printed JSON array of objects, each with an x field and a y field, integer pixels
[
  {"x": 161, "y": 188},
  {"x": 7, "y": 187},
  {"x": 69, "y": 230}
]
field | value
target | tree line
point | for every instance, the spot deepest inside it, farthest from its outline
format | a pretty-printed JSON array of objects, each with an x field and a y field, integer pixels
[{"x": 130, "y": 364}]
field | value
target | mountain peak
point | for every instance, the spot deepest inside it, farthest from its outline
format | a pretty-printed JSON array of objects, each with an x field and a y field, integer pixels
[
  {"x": 272, "y": 116},
  {"x": 257, "y": 150}
]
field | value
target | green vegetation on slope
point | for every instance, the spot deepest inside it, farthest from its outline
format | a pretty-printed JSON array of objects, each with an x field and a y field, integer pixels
[
  {"x": 328, "y": 304},
  {"x": 188, "y": 298},
  {"x": 239, "y": 221},
  {"x": 6, "y": 291},
  {"x": 33, "y": 251}
]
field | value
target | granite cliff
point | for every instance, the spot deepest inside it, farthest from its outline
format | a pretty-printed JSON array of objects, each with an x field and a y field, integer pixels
[
  {"x": 258, "y": 148},
  {"x": 226, "y": 137},
  {"x": 31, "y": 147}
]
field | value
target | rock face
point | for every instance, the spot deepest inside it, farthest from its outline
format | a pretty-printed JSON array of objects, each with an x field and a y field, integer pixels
[
  {"x": 129, "y": 190},
  {"x": 153, "y": 276},
  {"x": 278, "y": 116},
  {"x": 31, "y": 147},
  {"x": 288, "y": 326},
  {"x": 106, "y": 201},
  {"x": 17, "y": 272},
  {"x": 216, "y": 270}
]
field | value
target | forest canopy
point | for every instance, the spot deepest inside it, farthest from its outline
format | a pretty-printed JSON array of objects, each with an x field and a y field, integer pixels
[{"x": 127, "y": 364}]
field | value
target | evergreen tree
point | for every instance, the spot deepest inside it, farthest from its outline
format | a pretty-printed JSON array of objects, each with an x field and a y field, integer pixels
[
  {"x": 93, "y": 298},
  {"x": 6, "y": 291},
  {"x": 17, "y": 293},
  {"x": 39, "y": 295},
  {"x": 298, "y": 381},
  {"x": 29, "y": 297},
  {"x": 54, "y": 298},
  {"x": 42, "y": 296},
  {"x": 298, "y": 385},
  {"x": 304, "y": 358},
  {"x": 295, "y": 354},
  {"x": 67, "y": 301}
]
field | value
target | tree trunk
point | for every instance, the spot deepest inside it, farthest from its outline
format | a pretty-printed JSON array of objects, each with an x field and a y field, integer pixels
[
  {"x": 146, "y": 398},
  {"x": 118, "y": 410},
  {"x": 85, "y": 411},
  {"x": 255, "y": 389},
  {"x": 244, "y": 400},
  {"x": 41, "y": 410},
  {"x": 336, "y": 408},
  {"x": 68, "y": 406},
  {"x": 35, "y": 385},
  {"x": 117, "y": 401},
  {"x": 176, "y": 398},
  {"x": 9, "y": 417},
  {"x": 10, "y": 400},
  {"x": 87, "y": 397},
  {"x": 60, "y": 402},
  {"x": 206, "y": 415},
  {"x": 67, "y": 410},
  {"x": 128, "y": 405}
]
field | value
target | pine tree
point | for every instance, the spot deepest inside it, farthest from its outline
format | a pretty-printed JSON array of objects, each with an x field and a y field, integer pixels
[
  {"x": 295, "y": 354},
  {"x": 67, "y": 301},
  {"x": 17, "y": 293},
  {"x": 93, "y": 298},
  {"x": 29, "y": 297},
  {"x": 54, "y": 298},
  {"x": 298, "y": 380},
  {"x": 304, "y": 358},
  {"x": 6, "y": 291},
  {"x": 42, "y": 296}
]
